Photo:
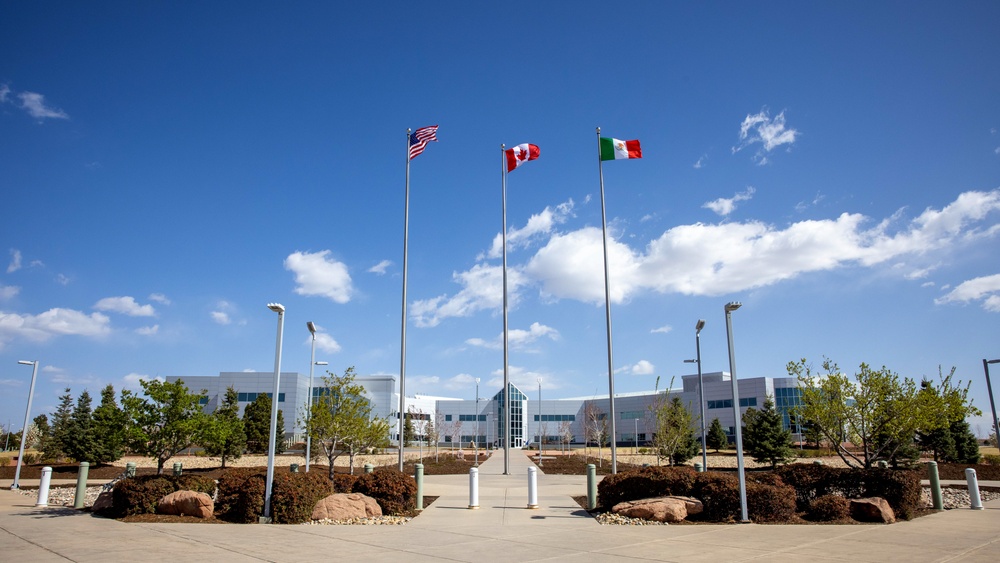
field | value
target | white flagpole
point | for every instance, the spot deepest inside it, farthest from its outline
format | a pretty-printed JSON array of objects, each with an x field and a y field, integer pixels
[
  {"x": 607, "y": 310},
  {"x": 506, "y": 374},
  {"x": 402, "y": 338}
]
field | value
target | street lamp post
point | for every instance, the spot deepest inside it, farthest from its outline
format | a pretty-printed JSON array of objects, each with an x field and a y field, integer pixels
[
  {"x": 27, "y": 415},
  {"x": 701, "y": 390},
  {"x": 989, "y": 390},
  {"x": 309, "y": 396},
  {"x": 540, "y": 438},
  {"x": 269, "y": 481},
  {"x": 730, "y": 307},
  {"x": 477, "y": 423}
]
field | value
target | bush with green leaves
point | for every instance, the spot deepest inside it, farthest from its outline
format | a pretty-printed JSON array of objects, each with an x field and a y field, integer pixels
[{"x": 394, "y": 491}]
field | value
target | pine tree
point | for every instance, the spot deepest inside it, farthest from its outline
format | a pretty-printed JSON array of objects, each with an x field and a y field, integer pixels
[
  {"x": 966, "y": 445},
  {"x": 223, "y": 435},
  {"x": 83, "y": 444},
  {"x": 257, "y": 425},
  {"x": 408, "y": 431},
  {"x": 716, "y": 438},
  {"x": 109, "y": 428},
  {"x": 61, "y": 430},
  {"x": 765, "y": 438}
]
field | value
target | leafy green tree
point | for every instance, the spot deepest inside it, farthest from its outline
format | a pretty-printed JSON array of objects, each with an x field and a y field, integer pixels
[
  {"x": 341, "y": 419},
  {"x": 164, "y": 422},
  {"x": 61, "y": 432},
  {"x": 765, "y": 438},
  {"x": 109, "y": 428},
  {"x": 83, "y": 444},
  {"x": 674, "y": 437},
  {"x": 716, "y": 437},
  {"x": 257, "y": 425},
  {"x": 43, "y": 432},
  {"x": 223, "y": 434}
]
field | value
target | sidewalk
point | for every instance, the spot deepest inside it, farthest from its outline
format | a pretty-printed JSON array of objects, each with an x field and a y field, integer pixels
[{"x": 502, "y": 529}]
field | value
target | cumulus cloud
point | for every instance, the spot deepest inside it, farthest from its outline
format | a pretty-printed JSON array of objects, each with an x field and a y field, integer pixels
[
  {"x": 985, "y": 289},
  {"x": 538, "y": 225},
  {"x": 770, "y": 133},
  {"x": 725, "y": 206},
  {"x": 517, "y": 338},
  {"x": 643, "y": 367},
  {"x": 221, "y": 317},
  {"x": 315, "y": 274},
  {"x": 125, "y": 305},
  {"x": 131, "y": 381},
  {"x": 8, "y": 292},
  {"x": 523, "y": 378},
  {"x": 148, "y": 330},
  {"x": 380, "y": 268},
  {"x": 15, "y": 261},
  {"x": 324, "y": 342},
  {"x": 34, "y": 104},
  {"x": 571, "y": 266},
  {"x": 482, "y": 288},
  {"x": 159, "y": 298},
  {"x": 54, "y": 322}
]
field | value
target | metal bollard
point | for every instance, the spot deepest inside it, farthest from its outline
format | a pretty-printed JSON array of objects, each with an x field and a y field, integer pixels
[
  {"x": 294, "y": 468},
  {"x": 882, "y": 464},
  {"x": 970, "y": 477},
  {"x": 130, "y": 469},
  {"x": 532, "y": 487},
  {"x": 369, "y": 468},
  {"x": 178, "y": 469},
  {"x": 43, "y": 487},
  {"x": 932, "y": 476},
  {"x": 698, "y": 467},
  {"x": 473, "y": 488},
  {"x": 418, "y": 474},
  {"x": 591, "y": 486},
  {"x": 817, "y": 462},
  {"x": 81, "y": 485}
]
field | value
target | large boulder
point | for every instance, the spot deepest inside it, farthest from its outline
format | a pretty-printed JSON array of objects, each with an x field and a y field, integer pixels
[
  {"x": 187, "y": 503},
  {"x": 104, "y": 502},
  {"x": 874, "y": 509},
  {"x": 659, "y": 509},
  {"x": 342, "y": 506}
]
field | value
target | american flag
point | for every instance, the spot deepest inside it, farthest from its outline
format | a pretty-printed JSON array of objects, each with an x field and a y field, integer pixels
[{"x": 420, "y": 138}]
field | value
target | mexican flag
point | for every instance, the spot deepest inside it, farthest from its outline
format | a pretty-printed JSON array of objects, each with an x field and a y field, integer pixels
[{"x": 614, "y": 149}]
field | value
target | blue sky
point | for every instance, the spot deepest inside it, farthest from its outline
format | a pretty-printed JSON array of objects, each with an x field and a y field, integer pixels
[{"x": 168, "y": 169}]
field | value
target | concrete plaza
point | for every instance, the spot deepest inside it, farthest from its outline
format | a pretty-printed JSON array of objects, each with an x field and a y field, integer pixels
[{"x": 502, "y": 529}]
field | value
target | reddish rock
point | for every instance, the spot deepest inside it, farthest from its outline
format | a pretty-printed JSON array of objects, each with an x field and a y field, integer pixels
[
  {"x": 874, "y": 509},
  {"x": 187, "y": 503},
  {"x": 660, "y": 509},
  {"x": 103, "y": 502},
  {"x": 342, "y": 506}
]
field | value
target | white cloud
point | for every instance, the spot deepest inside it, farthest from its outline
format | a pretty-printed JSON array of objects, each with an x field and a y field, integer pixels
[
  {"x": 482, "y": 288},
  {"x": 725, "y": 206},
  {"x": 664, "y": 329},
  {"x": 315, "y": 274},
  {"x": 159, "y": 298},
  {"x": 700, "y": 163},
  {"x": 8, "y": 291},
  {"x": 538, "y": 224},
  {"x": 54, "y": 322},
  {"x": 770, "y": 133},
  {"x": 643, "y": 367},
  {"x": 985, "y": 288},
  {"x": 324, "y": 342},
  {"x": 523, "y": 378},
  {"x": 517, "y": 338},
  {"x": 380, "y": 267},
  {"x": 131, "y": 381},
  {"x": 148, "y": 330},
  {"x": 15, "y": 261},
  {"x": 571, "y": 266},
  {"x": 4, "y": 91},
  {"x": 125, "y": 305},
  {"x": 34, "y": 104},
  {"x": 221, "y": 317},
  {"x": 62, "y": 279}
]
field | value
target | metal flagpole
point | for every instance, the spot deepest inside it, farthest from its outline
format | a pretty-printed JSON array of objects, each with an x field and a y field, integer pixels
[
  {"x": 506, "y": 374},
  {"x": 402, "y": 338},
  {"x": 607, "y": 311}
]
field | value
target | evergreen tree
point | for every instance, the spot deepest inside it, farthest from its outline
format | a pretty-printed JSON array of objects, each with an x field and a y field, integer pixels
[
  {"x": 765, "y": 438},
  {"x": 61, "y": 429},
  {"x": 939, "y": 442},
  {"x": 257, "y": 425},
  {"x": 109, "y": 428},
  {"x": 966, "y": 445},
  {"x": 83, "y": 443},
  {"x": 279, "y": 435},
  {"x": 716, "y": 438},
  {"x": 408, "y": 431},
  {"x": 223, "y": 435},
  {"x": 674, "y": 436}
]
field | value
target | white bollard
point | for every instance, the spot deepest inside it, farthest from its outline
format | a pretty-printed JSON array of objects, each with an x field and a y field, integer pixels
[
  {"x": 473, "y": 488},
  {"x": 43, "y": 487},
  {"x": 970, "y": 477},
  {"x": 532, "y": 487}
]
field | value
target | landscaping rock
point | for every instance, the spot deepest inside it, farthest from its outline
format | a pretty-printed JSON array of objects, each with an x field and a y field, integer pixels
[
  {"x": 187, "y": 503},
  {"x": 343, "y": 506},
  {"x": 103, "y": 502},
  {"x": 660, "y": 509},
  {"x": 874, "y": 509}
]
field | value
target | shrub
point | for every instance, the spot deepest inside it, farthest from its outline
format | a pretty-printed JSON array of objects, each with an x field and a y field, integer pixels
[
  {"x": 770, "y": 503},
  {"x": 644, "y": 483},
  {"x": 809, "y": 480},
  {"x": 395, "y": 492},
  {"x": 991, "y": 459},
  {"x": 4, "y": 461},
  {"x": 141, "y": 495},
  {"x": 768, "y": 498},
  {"x": 899, "y": 487},
  {"x": 294, "y": 496},
  {"x": 344, "y": 482},
  {"x": 241, "y": 495},
  {"x": 830, "y": 508}
]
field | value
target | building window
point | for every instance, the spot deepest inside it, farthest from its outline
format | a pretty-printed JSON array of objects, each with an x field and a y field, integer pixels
[
  {"x": 632, "y": 415},
  {"x": 728, "y": 403},
  {"x": 557, "y": 418},
  {"x": 748, "y": 401},
  {"x": 447, "y": 418},
  {"x": 203, "y": 401}
]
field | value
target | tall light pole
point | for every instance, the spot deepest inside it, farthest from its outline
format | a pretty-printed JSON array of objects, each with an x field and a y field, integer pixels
[
  {"x": 269, "y": 482},
  {"x": 477, "y": 423},
  {"x": 701, "y": 389},
  {"x": 730, "y": 307},
  {"x": 989, "y": 390},
  {"x": 309, "y": 396},
  {"x": 27, "y": 415},
  {"x": 540, "y": 438}
]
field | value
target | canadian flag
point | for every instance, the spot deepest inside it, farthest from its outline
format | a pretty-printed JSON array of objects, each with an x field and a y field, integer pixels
[{"x": 520, "y": 154}]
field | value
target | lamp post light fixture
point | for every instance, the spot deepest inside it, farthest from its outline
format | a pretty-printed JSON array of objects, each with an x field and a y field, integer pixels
[
  {"x": 309, "y": 396},
  {"x": 272, "y": 435},
  {"x": 477, "y": 423},
  {"x": 540, "y": 438},
  {"x": 730, "y": 307},
  {"x": 701, "y": 389},
  {"x": 24, "y": 429},
  {"x": 989, "y": 390}
]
